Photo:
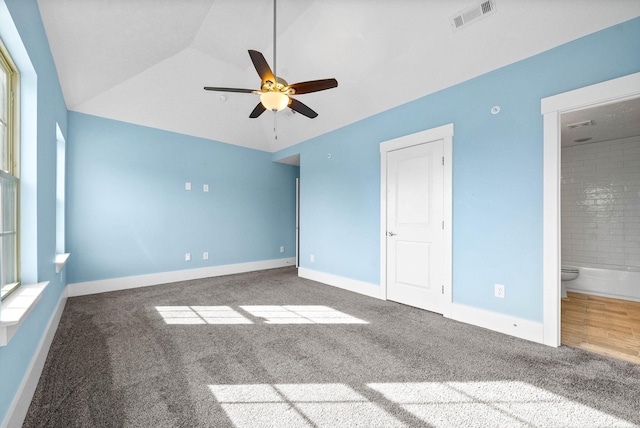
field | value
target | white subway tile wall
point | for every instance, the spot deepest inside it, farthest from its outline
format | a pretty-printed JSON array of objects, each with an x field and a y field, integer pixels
[{"x": 601, "y": 203}]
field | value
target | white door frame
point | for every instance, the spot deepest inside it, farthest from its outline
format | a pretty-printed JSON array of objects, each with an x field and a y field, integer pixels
[
  {"x": 552, "y": 107},
  {"x": 298, "y": 222},
  {"x": 445, "y": 133}
]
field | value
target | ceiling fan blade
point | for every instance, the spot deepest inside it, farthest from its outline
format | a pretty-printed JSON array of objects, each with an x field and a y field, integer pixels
[
  {"x": 262, "y": 67},
  {"x": 301, "y": 108},
  {"x": 244, "y": 91},
  {"x": 314, "y": 86},
  {"x": 257, "y": 111}
]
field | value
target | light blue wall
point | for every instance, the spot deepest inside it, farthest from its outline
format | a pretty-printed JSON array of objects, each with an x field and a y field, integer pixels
[
  {"x": 128, "y": 212},
  {"x": 497, "y": 173},
  {"x": 42, "y": 107}
]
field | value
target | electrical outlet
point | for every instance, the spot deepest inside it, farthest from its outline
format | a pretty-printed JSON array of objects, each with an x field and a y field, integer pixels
[
  {"x": 187, "y": 186},
  {"x": 499, "y": 290},
  {"x": 312, "y": 258},
  {"x": 205, "y": 256},
  {"x": 205, "y": 187},
  {"x": 187, "y": 257},
  {"x": 282, "y": 249}
]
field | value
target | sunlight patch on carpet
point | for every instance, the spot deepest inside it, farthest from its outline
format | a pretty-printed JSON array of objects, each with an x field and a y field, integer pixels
[
  {"x": 301, "y": 314},
  {"x": 298, "y": 405},
  {"x": 438, "y": 404},
  {"x": 271, "y": 314},
  {"x": 499, "y": 403},
  {"x": 201, "y": 315}
]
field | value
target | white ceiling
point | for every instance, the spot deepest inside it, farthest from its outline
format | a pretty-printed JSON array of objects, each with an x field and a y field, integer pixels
[
  {"x": 146, "y": 61},
  {"x": 605, "y": 122}
]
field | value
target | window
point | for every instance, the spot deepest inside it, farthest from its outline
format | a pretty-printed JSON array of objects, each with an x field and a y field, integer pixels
[
  {"x": 9, "y": 182},
  {"x": 60, "y": 192}
]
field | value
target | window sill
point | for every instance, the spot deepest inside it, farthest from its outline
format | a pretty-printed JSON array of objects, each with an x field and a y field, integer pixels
[
  {"x": 61, "y": 260},
  {"x": 16, "y": 308}
]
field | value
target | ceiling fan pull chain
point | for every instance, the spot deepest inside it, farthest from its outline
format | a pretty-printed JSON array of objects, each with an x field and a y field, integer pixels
[{"x": 275, "y": 125}]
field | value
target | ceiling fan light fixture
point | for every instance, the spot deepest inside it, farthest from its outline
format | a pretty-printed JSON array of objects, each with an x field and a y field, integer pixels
[{"x": 274, "y": 101}]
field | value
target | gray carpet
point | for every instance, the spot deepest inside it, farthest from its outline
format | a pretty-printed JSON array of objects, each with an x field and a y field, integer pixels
[{"x": 268, "y": 349}]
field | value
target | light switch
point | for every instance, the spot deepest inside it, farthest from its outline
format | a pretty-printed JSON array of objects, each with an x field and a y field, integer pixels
[{"x": 187, "y": 186}]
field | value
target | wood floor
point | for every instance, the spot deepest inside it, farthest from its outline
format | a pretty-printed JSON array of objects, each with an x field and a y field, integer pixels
[{"x": 602, "y": 325}]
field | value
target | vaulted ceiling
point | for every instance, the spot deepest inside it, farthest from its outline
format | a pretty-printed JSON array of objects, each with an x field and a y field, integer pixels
[{"x": 147, "y": 61}]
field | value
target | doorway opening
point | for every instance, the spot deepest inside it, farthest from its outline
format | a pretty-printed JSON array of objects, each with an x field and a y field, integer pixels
[
  {"x": 553, "y": 109},
  {"x": 600, "y": 229},
  {"x": 295, "y": 161}
]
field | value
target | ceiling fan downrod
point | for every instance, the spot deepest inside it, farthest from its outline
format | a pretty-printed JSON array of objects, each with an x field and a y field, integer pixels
[{"x": 274, "y": 40}]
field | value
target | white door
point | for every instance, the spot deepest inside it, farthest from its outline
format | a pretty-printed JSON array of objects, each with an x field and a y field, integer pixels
[{"x": 415, "y": 235}]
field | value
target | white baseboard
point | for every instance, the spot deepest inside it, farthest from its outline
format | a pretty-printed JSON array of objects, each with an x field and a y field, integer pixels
[
  {"x": 114, "y": 284},
  {"x": 21, "y": 401},
  {"x": 513, "y": 326},
  {"x": 506, "y": 324},
  {"x": 361, "y": 287}
]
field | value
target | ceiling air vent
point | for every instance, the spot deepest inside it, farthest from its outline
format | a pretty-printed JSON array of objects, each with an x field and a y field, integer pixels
[
  {"x": 580, "y": 124},
  {"x": 471, "y": 14}
]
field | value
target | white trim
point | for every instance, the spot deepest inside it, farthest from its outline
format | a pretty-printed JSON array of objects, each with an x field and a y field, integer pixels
[
  {"x": 444, "y": 133},
  {"x": 447, "y": 257},
  {"x": 16, "y": 308},
  {"x": 20, "y": 405},
  {"x": 383, "y": 221},
  {"x": 551, "y": 230},
  {"x": 125, "y": 283},
  {"x": 433, "y": 134},
  {"x": 601, "y": 93},
  {"x": 506, "y": 324},
  {"x": 360, "y": 287},
  {"x": 552, "y": 107},
  {"x": 61, "y": 260},
  {"x": 297, "y": 221}
]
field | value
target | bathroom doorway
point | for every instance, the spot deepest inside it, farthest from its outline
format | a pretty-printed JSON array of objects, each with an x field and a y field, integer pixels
[
  {"x": 552, "y": 107},
  {"x": 600, "y": 228}
]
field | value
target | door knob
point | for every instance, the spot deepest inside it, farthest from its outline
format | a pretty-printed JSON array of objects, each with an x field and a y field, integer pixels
[{"x": 391, "y": 234}]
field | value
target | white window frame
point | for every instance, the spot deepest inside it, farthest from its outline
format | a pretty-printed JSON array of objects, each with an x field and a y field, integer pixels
[{"x": 11, "y": 175}]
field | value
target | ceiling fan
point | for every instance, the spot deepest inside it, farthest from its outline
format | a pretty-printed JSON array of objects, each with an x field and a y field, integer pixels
[{"x": 275, "y": 93}]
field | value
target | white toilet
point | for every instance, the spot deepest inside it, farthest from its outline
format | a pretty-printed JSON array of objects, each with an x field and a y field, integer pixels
[{"x": 567, "y": 274}]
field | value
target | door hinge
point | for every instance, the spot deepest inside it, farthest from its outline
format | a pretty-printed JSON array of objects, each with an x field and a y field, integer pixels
[
  {"x": 443, "y": 289},
  {"x": 442, "y": 225},
  {"x": 442, "y": 160}
]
